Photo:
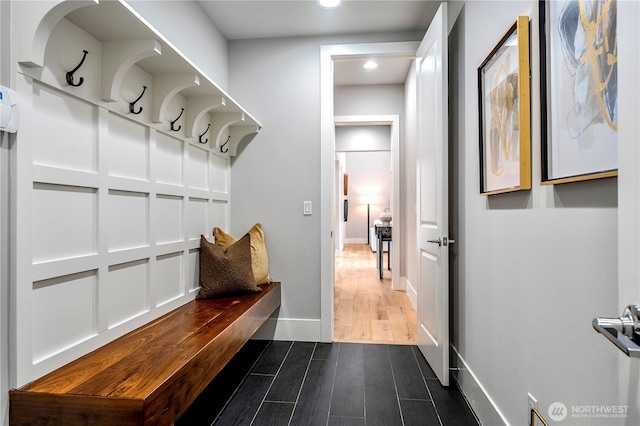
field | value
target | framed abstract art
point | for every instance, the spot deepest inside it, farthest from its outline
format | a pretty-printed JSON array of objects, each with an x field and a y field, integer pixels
[
  {"x": 504, "y": 107},
  {"x": 579, "y": 90}
]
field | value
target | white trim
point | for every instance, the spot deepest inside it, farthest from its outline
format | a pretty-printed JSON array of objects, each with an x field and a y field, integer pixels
[
  {"x": 411, "y": 292},
  {"x": 300, "y": 330},
  {"x": 21, "y": 343},
  {"x": 355, "y": 241},
  {"x": 327, "y": 149},
  {"x": 481, "y": 402}
]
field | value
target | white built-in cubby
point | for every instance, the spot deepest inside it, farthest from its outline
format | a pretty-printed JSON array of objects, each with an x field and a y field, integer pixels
[{"x": 114, "y": 179}]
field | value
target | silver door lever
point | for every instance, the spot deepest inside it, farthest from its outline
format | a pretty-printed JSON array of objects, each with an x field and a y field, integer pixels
[
  {"x": 442, "y": 242},
  {"x": 624, "y": 331},
  {"x": 438, "y": 241}
]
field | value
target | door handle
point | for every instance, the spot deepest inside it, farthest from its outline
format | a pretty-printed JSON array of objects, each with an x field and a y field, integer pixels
[
  {"x": 442, "y": 242},
  {"x": 624, "y": 331},
  {"x": 438, "y": 241}
]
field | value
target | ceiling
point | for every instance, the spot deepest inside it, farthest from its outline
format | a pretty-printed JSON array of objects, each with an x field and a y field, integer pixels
[{"x": 245, "y": 19}]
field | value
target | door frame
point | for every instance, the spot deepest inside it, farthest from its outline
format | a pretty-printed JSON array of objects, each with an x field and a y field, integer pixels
[{"x": 327, "y": 154}]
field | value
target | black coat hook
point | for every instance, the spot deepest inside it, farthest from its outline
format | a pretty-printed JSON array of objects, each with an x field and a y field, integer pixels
[
  {"x": 222, "y": 150},
  {"x": 70, "y": 73},
  {"x": 175, "y": 129},
  {"x": 200, "y": 137},
  {"x": 132, "y": 105}
]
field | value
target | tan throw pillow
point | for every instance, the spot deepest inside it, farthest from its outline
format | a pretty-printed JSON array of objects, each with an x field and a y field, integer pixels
[
  {"x": 226, "y": 271},
  {"x": 259, "y": 258}
]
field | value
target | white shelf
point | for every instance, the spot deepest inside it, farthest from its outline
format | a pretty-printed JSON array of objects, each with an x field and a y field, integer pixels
[{"x": 128, "y": 46}]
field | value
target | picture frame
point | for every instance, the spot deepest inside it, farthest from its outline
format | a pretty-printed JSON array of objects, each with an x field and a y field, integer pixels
[
  {"x": 345, "y": 184},
  {"x": 505, "y": 114},
  {"x": 578, "y": 90}
]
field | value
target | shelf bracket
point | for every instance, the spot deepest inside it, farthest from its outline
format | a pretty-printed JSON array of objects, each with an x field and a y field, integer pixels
[
  {"x": 238, "y": 134},
  {"x": 197, "y": 108},
  {"x": 118, "y": 57},
  {"x": 165, "y": 87},
  {"x": 221, "y": 122},
  {"x": 39, "y": 19}
]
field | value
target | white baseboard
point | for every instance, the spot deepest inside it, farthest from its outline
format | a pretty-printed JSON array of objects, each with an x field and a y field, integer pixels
[
  {"x": 301, "y": 330},
  {"x": 355, "y": 241},
  {"x": 480, "y": 401},
  {"x": 411, "y": 292}
]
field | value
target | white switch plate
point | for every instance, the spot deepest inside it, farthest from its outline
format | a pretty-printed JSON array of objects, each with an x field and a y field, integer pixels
[
  {"x": 533, "y": 403},
  {"x": 306, "y": 210}
]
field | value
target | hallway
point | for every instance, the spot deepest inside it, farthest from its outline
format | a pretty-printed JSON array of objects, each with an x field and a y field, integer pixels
[{"x": 366, "y": 309}]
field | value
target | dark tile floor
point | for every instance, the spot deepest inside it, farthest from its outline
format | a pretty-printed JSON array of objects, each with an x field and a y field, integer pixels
[{"x": 302, "y": 383}]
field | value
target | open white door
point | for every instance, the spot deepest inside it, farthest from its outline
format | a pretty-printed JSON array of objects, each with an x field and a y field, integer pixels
[{"x": 432, "y": 187}]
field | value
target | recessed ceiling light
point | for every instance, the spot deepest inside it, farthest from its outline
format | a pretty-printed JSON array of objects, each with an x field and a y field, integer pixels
[
  {"x": 329, "y": 3},
  {"x": 370, "y": 65}
]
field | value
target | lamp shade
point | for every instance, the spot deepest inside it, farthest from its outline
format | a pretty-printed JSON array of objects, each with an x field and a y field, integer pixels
[{"x": 368, "y": 199}]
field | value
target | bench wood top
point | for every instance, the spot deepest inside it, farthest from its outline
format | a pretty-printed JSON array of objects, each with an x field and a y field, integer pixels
[{"x": 150, "y": 375}]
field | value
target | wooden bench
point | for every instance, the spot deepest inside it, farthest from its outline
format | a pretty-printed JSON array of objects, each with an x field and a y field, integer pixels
[{"x": 150, "y": 375}]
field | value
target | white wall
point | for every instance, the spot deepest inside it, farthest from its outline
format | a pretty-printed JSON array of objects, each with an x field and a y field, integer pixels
[
  {"x": 369, "y": 168},
  {"x": 363, "y": 138},
  {"x": 190, "y": 30},
  {"x": 341, "y": 224},
  {"x": 369, "y": 173},
  {"x": 4, "y": 276},
  {"x": 408, "y": 154},
  {"x": 531, "y": 269},
  {"x": 378, "y": 99}
]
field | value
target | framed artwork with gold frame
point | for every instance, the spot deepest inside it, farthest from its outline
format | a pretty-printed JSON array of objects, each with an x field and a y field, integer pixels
[
  {"x": 578, "y": 90},
  {"x": 505, "y": 116}
]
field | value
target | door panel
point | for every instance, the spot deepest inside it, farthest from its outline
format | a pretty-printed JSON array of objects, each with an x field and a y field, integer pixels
[
  {"x": 433, "y": 285},
  {"x": 429, "y": 296}
]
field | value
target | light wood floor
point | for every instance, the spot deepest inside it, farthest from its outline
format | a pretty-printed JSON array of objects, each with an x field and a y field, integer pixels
[{"x": 366, "y": 309}]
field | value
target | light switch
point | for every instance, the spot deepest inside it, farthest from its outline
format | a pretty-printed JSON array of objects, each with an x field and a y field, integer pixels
[{"x": 307, "y": 208}]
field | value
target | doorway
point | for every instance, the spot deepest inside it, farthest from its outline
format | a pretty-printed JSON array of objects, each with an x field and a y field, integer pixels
[
  {"x": 328, "y": 123},
  {"x": 368, "y": 308},
  {"x": 354, "y": 194}
]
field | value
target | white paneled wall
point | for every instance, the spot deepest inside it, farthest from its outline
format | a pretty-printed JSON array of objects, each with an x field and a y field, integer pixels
[
  {"x": 64, "y": 312},
  {"x": 131, "y": 279},
  {"x": 113, "y": 209},
  {"x": 113, "y": 180}
]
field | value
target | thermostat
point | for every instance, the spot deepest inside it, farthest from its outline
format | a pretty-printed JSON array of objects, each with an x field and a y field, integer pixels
[{"x": 9, "y": 110}]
